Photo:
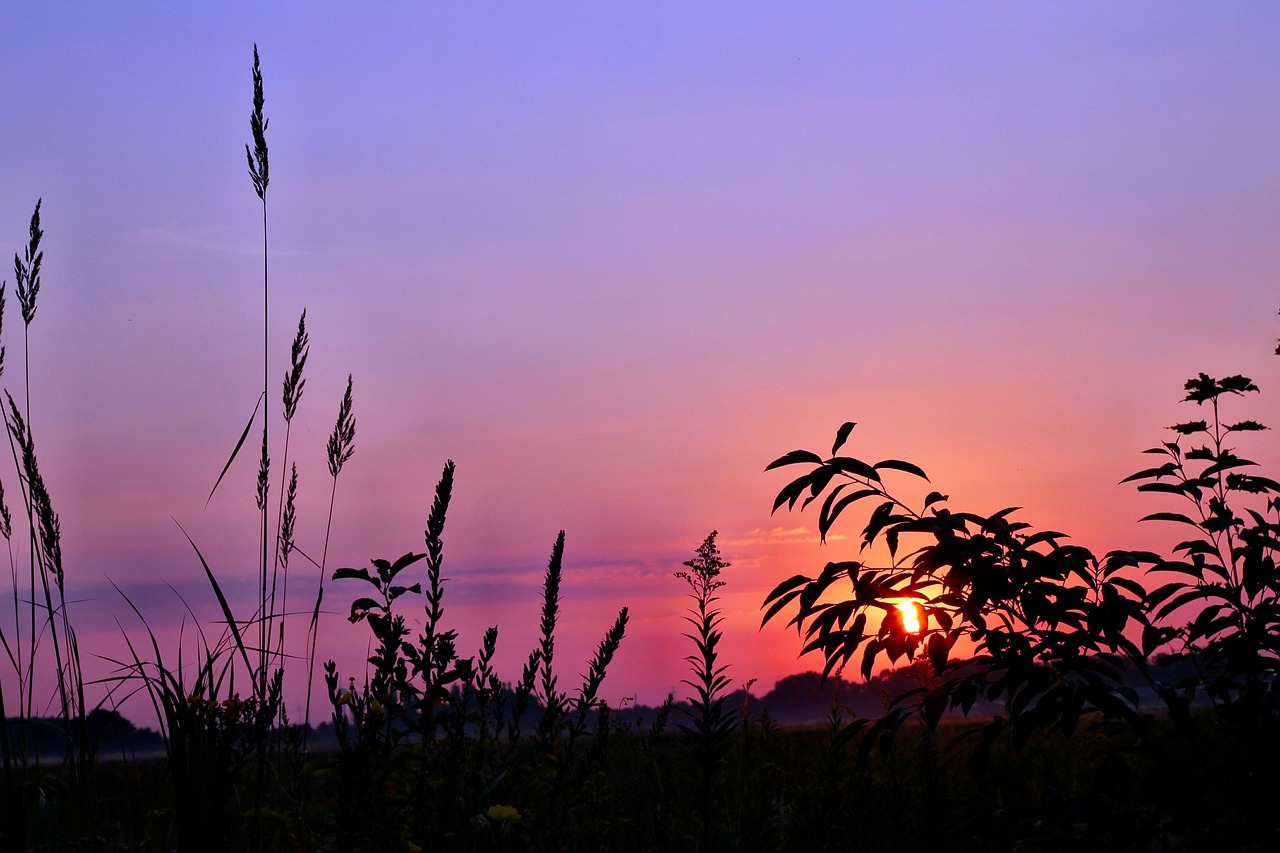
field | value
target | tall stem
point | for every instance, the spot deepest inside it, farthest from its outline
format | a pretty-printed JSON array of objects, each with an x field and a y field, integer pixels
[
  {"x": 313, "y": 632},
  {"x": 263, "y": 626},
  {"x": 31, "y": 526},
  {"x": 277, "y": 558}
]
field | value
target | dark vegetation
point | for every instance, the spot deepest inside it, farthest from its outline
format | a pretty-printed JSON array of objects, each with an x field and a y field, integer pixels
[{"x": 1015, "y": 719}]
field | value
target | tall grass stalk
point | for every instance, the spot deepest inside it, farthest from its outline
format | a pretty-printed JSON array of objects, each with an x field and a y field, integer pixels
[
  {"x": 26, "y": 272},
  {"x": 46, "y": 577},
  {"x": 341, "y": 446},
  {"x": 260, "y": 175},
  {"x": 11, "y": 800},
  {"x": 286, "y": 512}
]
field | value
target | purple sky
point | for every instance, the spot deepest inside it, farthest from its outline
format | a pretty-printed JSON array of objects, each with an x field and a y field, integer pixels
[{"x": 614, "y": 261}]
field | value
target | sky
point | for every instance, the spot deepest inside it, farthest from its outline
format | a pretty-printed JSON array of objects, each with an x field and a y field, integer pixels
[{"x": 612, "y": 260}]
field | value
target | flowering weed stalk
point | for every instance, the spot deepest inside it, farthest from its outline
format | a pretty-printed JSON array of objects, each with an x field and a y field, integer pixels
[{"x": 710, "y": 727}]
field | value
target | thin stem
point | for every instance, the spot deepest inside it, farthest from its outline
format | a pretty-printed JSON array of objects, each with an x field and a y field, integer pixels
[
  {"x": 263, "y": 627},
  {"x": 31, "y": 527},
  {"x": 313, "y": 631},
  {"x": 277, "y": 559}
]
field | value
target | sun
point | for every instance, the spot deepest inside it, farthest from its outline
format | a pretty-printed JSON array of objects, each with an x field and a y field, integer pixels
[{"x": 910, "y": 616}]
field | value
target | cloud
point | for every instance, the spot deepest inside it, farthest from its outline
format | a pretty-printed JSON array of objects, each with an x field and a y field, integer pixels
[{"x": 782, "y": 536}]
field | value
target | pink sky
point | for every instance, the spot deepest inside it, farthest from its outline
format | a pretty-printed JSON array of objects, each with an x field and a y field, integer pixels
[{"x": 613, "y": 262}]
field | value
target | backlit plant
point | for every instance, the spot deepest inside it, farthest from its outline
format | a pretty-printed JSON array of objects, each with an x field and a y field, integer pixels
[
  {"x": 1224, "y": 576},
  {"x": 711, "y": 725},
  {"x": 1046, "y": 619}
]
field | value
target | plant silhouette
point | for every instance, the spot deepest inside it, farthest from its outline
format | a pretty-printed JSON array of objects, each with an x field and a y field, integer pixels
[{"x": 1046, "y": 619}]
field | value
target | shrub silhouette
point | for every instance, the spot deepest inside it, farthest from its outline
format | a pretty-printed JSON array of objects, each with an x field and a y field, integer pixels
[
  {"x": 1226, "y": 569},
  {"x": 1046, "y": 619}
]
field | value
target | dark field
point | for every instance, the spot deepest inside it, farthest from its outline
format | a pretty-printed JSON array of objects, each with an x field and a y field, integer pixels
[{"x": 1199, "y": 787}]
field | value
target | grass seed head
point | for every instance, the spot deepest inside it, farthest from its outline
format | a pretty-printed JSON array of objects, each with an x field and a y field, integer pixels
[
  {"x": 27, "y": 271},
  {"x": 293, "y": 380},
  {"x": 342, "y": 441},
  {"x": 264, "y": 475},
  {"x": 257, "y": 156}
]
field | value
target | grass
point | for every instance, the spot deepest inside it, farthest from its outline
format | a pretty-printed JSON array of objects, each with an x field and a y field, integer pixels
[{"x": 1098, "y": 790}]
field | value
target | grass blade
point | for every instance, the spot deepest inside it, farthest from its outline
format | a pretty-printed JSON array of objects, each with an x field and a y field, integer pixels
[
  {"x": 222, "y": 600},
  {"x": 234, "y": 453}
]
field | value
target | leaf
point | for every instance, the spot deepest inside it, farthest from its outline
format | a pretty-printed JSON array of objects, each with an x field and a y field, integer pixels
[
  {"x": 777, "y": 605},
  {"x": 1168, "y": 469},
  {"x": 819, "y": 479},
  {"x": 1237, "y": 384},
  {"x": 899, "y": 465},
  {"x": 1153, "y": 636},
  {"x": 869, "y": 653},
  {"x": 856, "y": 467},
  {"x": 795, "y": 457},
  {"x": 1226, "y": 462},
  {"x": 1200, "y": 389},
  {"x": 362, "y": 606},
  {"x": 234, "y": 452},
  {"x": 831, "y": 511},
  {"x": 842, "y": 435},
  {"x": 938, "y": 648},
  {"x": 359, "y": 574},
  {"x": 790, "y": 493},
  {"x": 880, "y": 516},
  {"x": 1169, "y": 488},
  {"x": 1245, "y": 426},
  {"x": 222, "y": 601},
  {"x": 1050, "y": 536},
  {"x": 1169, "y": 516},
  {"x": 405, "y": 561},
  {"x": 1251, "y": 484},
  {"x": 1176, "y": 601}
]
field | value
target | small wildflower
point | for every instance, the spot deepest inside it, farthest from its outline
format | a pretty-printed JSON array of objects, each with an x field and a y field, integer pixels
[{"x": 503, "y": 814}]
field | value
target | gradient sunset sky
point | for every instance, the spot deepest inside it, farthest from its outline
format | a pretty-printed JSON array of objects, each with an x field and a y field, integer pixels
[{"x": 613, "y": 259}]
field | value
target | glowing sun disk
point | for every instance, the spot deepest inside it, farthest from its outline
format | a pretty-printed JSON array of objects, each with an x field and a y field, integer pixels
[{"x": 910, "y": 617}]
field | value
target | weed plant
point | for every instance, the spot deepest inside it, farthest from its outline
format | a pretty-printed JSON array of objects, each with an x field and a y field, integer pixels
[
  {"x": 711, "y": 726},
  {"x": 430, "y": 742}
]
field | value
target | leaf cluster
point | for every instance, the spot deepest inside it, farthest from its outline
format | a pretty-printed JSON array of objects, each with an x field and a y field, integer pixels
[
  {"x": 1047, "y": 619},
  {"x": 1218, "y": 596}
]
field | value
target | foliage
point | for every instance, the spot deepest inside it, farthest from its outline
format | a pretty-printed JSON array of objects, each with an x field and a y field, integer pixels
[
  {"x": 1225, "y": 574},
  {"x": 442, "y": 731},
  {"x": 1046, "y": 619}
]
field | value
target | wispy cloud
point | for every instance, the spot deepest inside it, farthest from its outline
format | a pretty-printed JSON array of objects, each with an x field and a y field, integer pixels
[{"x": 782, "y": 536}]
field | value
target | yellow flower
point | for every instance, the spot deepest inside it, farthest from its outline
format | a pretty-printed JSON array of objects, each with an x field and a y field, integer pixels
[{"x": 503, "y": 813}]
